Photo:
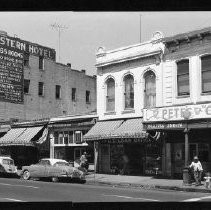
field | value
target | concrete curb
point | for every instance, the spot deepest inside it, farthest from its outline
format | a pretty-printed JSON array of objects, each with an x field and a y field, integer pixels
[{"x": 147, "y": 186}]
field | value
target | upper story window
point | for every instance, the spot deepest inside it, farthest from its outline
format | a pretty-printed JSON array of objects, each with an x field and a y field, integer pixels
[
  {"x": 41, "y": 89},
  {"x": 88, "y": 97},
  {"x": 73, "y": 94},
  {"x": 110, "y": 97},
  {"x": 41, "y": 63},
  {"x": 206, "y": 73},
  {"x": 26, "y": 85},
  {"x": 183, "y": 78},
  {"x": 129, "y": 91},
  {"x": 150, "y": 90},
  {"x": 58, "y": 92}
]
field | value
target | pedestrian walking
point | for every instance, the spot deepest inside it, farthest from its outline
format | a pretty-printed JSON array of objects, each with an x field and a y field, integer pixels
[{"x": 197, "y": 170}]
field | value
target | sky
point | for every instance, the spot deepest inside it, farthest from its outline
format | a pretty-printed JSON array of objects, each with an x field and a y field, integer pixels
[{"x": 85, "y": 32}]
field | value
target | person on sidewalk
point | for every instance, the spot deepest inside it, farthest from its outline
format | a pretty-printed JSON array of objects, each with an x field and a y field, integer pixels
[
  {"x": 197, "y": 170},
  {"x": 84, "y": 161}
]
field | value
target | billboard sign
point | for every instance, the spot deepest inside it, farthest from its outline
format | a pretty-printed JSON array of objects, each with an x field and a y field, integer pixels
[{"x": 12, "y": 52}]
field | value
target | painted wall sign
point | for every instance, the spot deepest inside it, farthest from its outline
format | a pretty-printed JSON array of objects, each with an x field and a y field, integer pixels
[
  {"x": 201, "y": 111},
  {"x": 16, "y": 44},
  {"x": 11, "y": 75}
]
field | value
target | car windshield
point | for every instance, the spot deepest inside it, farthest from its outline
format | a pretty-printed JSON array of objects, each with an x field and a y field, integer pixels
[
  {"x": 61, "y": 164},
  {"x": 8, "y": 162}
]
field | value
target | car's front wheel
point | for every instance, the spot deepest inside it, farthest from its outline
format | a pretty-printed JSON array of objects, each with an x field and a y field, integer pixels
[
  {"x": 26, "y": 175},
  {"x": 55, "y": 179}
]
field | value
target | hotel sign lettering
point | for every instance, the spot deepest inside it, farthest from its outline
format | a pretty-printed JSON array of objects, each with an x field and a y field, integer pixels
[
  {"x": 201, "y": 111},
  {"x": 16, "y": 44}
]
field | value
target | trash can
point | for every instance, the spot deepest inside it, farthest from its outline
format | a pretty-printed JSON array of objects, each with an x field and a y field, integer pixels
[{"x": 186, "y": 176}]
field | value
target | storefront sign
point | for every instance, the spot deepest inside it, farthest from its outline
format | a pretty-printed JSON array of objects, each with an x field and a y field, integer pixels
[
  {"x": 11, "y": 75},
  {"x": 163, "y": 126},
  {"x": 17, "y": 45},
  {"x": 201, "y": 111},
  {"x": 120, "y": 141}
]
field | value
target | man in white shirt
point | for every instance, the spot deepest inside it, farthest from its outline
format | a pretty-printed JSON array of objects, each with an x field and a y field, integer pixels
[{"x": 197, "y": 170}]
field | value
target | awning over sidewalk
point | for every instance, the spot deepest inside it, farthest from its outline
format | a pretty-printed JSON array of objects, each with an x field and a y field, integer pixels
[
  {"x": 130, "y": 128},
  {"x": 20, "y": 136},
  {"x": 102, "y": 130}
]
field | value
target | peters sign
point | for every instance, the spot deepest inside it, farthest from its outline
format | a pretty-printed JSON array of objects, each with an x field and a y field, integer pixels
[{"x": 177, "y": 113}]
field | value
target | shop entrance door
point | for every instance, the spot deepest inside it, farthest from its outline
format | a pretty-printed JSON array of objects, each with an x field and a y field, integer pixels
[{"x": 135, "y": 154}]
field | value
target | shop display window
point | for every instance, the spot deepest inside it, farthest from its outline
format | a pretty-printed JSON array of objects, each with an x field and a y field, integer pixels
[
  {"x": 203, "y": 152},
  {"x": 70, "y": 137},
  {"x": 61, "y": 138},
  {"x": 56, "y": 140},
  {"x": 153, "y": 161},
  {"x": 66, "y": 136}
]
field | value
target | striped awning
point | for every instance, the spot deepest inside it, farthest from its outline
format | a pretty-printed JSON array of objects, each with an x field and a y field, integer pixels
[
  {"x": 20, "y": 136},
  {"x": 102, "y": 130},
  {"x": 130, "y": 128}
]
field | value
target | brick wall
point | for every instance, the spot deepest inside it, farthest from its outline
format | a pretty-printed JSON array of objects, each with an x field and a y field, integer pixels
[{"x": 36, "y": 107}]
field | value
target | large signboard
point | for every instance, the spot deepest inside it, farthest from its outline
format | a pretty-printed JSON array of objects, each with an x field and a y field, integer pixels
[
  {"x": 177, "y": 113},
  {"x": 17, "y": 44},
  {"x": 12, "y": 52},
  {"x": 11, "y": 75}
]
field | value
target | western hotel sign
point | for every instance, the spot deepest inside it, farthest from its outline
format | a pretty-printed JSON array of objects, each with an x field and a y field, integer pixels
[{"x": 12, "y": 51}]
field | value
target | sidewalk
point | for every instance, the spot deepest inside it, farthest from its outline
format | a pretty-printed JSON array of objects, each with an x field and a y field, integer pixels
[{"x": 144, "y": 182}]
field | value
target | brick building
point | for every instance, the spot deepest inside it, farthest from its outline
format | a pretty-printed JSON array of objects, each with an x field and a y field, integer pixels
[
  {"x": 33, "y": 89},
  {"x": 50, "y": 89}
]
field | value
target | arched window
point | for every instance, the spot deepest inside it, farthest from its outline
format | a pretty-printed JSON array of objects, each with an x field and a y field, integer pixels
[
  {"x": 206, "y": 73},
  {"x": 183, "y": 78},
  {"x": 129, "y": 91},
  {"x": 110, "y": 97},
  {"x": 150, "y": 90}
]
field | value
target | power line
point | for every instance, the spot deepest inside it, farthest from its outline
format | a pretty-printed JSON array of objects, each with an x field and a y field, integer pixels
[{"x": 59, "y": 28}]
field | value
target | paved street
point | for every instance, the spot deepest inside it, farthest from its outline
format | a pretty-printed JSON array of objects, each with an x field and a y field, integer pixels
[{"x": 12, "y": 189}]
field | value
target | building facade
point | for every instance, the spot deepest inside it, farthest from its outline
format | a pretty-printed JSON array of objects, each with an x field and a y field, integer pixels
[
  {"x": 34, "y": 86},
  {"x": 127, "y": 81},
  {"x": 185, "y": 109},
  {"x": 66, "y": 137}
]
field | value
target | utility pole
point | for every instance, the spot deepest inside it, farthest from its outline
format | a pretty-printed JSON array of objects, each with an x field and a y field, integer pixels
[{"x": 59, "y": 28}]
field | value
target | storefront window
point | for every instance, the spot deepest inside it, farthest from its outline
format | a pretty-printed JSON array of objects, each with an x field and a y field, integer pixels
[
  {"x": 70, "y": 137},
  {"x": 61, "y": 138},
  {"x": 203, "y": 152},
  {"x": 56, "y": 141},
  {"x": 66, "y": 137},
  {"x": 153, "y": 161}
]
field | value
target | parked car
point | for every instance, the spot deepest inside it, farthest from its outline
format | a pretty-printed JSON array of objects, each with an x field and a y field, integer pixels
[
  {"x": 55, "y": 169},
  {"x": 7, "y": 166}
]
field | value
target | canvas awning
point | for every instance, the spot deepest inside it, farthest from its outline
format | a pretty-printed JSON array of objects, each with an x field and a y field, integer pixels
[
  {"x": 130, "y": 128},
  {"x": 102, "y": 130},
  {"x": 20, "y": 136}
]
